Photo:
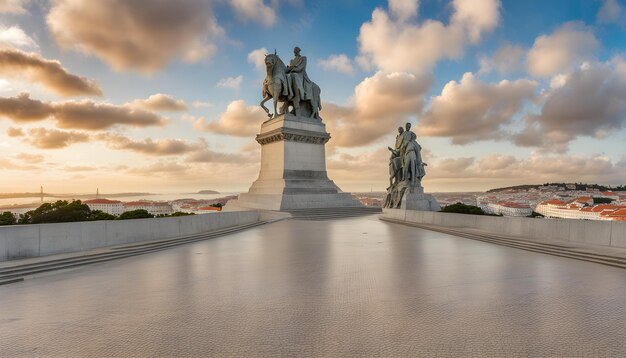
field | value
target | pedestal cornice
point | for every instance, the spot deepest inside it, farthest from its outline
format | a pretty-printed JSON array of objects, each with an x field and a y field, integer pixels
[{"x": 292, "y": 134}]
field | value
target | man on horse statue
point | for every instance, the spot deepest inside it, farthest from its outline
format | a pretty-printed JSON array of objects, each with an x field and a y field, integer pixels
[
  {"x": 297, "y": 78},
  {"x": 291, "y": 86}
]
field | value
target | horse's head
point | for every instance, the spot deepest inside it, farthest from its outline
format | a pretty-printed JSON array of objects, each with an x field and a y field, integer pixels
[
  {"x": 273, "y": 62},
  {"x": 270, "y": 61}
]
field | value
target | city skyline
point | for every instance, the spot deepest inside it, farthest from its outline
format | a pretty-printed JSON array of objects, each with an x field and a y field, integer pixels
[{"x": 499, "y": 93}]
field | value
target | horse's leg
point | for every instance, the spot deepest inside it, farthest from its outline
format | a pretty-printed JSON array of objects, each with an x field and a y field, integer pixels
[{"x": 267, "y": 98}]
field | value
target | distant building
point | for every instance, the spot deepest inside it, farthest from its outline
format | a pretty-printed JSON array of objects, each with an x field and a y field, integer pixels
[
  {"x": 153, "y": 207},
  {"x": 113, "y": 207},
  {"x": 574, "y": 210},
  {"x": 373, "y": 202},
  {"x": 510, "y": 209}
]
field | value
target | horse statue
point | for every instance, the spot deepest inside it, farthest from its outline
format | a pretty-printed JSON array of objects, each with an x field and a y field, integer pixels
[{"x": 280, "y": 86}]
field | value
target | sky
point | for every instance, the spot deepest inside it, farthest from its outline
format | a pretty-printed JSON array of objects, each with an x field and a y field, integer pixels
[{"x": 162, "y": 96}]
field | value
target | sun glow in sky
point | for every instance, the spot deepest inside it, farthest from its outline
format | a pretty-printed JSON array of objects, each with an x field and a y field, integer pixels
[{"x": 162, "y": 96}]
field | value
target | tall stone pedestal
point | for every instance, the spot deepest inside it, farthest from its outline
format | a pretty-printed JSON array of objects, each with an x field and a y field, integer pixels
[{"x": 293, "y": 168}]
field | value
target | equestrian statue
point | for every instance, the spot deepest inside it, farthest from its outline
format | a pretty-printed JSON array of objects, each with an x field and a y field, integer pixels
[{"x": 291, "y": 86}]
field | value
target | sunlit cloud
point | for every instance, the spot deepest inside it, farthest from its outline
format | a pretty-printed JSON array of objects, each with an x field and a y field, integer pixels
[{"x": 15, "y": 63}]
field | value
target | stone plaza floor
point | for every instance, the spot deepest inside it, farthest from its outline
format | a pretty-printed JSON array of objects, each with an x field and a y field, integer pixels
[{"x": 349, "y": 287}]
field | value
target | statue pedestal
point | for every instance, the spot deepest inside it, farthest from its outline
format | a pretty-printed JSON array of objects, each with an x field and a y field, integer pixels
[
  {"x": 406, "y": 197},
  {"x": 293, "y": 168},
  {"x": 416, "y": 199}
]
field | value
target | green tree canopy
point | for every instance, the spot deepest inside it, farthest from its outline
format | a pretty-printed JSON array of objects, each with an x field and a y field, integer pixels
[
  {"x": 136, "y": 214},
  {"x": 7, "y": 218},
  {"x": 461, "y": 208}
]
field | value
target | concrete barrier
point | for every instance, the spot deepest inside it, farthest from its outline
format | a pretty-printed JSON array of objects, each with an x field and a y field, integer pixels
[
  {"x": 589, "y": 232},
  {"x": 23, "y": 241}
]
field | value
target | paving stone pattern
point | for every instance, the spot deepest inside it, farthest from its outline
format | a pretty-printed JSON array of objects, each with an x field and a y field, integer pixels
[{"x": 351, "y": 287}]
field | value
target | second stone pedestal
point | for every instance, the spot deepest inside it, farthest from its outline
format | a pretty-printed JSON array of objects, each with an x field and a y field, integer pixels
[{"x": 293, "y": 168}]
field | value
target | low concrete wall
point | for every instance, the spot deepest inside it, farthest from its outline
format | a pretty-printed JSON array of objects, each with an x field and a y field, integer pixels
[
  {"x": 605, "y": 233},
  {"x": 22, "y": 241}
]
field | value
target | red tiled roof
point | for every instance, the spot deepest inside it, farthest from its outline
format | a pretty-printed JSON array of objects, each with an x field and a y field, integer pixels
[{"x": 101, "y": 201}]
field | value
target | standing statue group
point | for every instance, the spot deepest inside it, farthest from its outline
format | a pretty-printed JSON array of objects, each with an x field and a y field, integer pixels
[
  {"x": 406, "y": 168},
  {"x": 291, "y": 86}
]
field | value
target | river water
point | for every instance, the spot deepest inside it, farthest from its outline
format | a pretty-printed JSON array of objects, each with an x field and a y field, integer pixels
[{"x": 153, "y": 197}]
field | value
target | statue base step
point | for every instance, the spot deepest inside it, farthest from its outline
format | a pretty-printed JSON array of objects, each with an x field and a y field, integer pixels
[
  {"x": 293, "y": 168},
  {"x": 419, "y": 201}
]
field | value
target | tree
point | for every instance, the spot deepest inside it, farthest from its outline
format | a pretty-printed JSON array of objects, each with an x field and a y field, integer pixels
[
  {"x": 602, "y": 200},
  {"x": 136, "y": 214},
  {"x": 57, "y": 212},
  {"x": 461, "y": 208},
  {"x": 7, "y": 218},
  {"x": 101, "y": 215},
  {"x": 180, "y": 213}
]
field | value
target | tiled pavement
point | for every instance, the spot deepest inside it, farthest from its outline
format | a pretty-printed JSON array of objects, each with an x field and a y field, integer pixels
[{"x": 350, "y": 287}]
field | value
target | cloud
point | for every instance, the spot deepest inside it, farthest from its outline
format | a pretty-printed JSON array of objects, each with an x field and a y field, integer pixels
[
  {"x": 161, "y": 167},
  {"x": 79, "y": 168},
  {"x": 14, "y": 36},
  {"x": 15, "y": 132},
  {"x": 391, "y": 43},
  {"x": 44, "y": 138},
  {"x": 238, "y": 120},
  {"x": 534, "y": 169},
  {"x": 84, "y": 114},
  {"x": 258, "y": 58},
  {"x": 141, "y": 35},
  {"x": 403, "y": 9},
  {"x": 149, "y": 146},
  {"x": 24, "y": 109},
  {"x": 161, "y": 102},
  {"x": 230, "y": 82},
  {"x": 192, "y": 152},
  {"x": 611, "y": 12},
  {"x": 19, "y": 64},
  {"x": 565, "y": 48},
  {"x": 589, "y": 101},
  {"x": 254, "y": 10},
  {"x": 507, "y": 59},
  {"x": 471, "y": 110},
  {"x": 380, "y": 103},
  {"x": 207, "y": 155},
  {"x": 201, "y": 104},
  {"x": 13, "y": 6},
  {"x": 340, "y": 63},
  {"x": 30, "y": 158}
]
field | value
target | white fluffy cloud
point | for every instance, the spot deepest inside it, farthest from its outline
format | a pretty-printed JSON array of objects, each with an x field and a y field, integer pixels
[
  {"x": 230, "y": 82},
  {"x": 140, "y": 35},
  {"x": 340, "y": 63},
  {"x": 238, "y": 120},
  {"x": 589, "y": 101},
  {"x": 403, "y": 9},
  {"x": 391, "y": 43},
  {"x": 14, "y": 36},
  {"x": 565, "y": 48},
  {"x": 258, "y": 58},
  {"x": 255, "y": 10},
  {"x": 380, "y": 103},
  {"x": 161, "y": 102},
  {"x": 471, "y": 110}
]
